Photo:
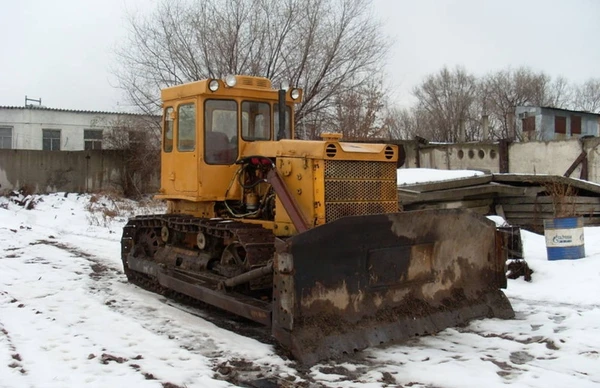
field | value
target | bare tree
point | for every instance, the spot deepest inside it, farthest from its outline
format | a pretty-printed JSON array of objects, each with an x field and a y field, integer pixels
[
  {"x": 587, "y": 96},
  {"x": 410, "y": 123},
  {"x": 445, "y": 102},
  {"x": 559, "y": 94},
  {"x": 139, "y": 142},
  {"x": 400, "y": 123},
  {"x": 454, "y": 105},
  {"x": 358, "y": 113},
  {"x": 328, "y": 47},
  {"x": 504, "y": 90}
]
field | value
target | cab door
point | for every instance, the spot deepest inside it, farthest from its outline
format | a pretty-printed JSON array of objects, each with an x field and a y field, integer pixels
[{"x": 179, "y": 173}]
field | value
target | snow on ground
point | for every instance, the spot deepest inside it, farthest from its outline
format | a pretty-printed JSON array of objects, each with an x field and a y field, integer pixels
[{"x": 68, "y": 318}]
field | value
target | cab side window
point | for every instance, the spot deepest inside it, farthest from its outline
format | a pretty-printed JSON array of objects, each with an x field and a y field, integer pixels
[
  {"x": 256, "y": 122},
  {"x": 186, "y": 127},
  {"x": 168, "y": 130}
]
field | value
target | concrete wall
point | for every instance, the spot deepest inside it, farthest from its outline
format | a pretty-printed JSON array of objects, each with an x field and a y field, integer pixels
[
  {"x": 463, "y": 156},
  {"x": 75, "y": 171},
  {"x": 592, "y": 147},
  {"x": 538, "y": 157},
  {"x": 410, "y": 150},
  {"x": 532, "y": 157}
]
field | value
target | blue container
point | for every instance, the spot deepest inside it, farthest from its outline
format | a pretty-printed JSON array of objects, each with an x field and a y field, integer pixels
[{"x": 564, "y": 238}]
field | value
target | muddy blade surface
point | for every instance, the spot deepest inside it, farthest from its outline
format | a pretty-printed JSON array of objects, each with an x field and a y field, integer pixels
[{"x": 369, "y": 280}]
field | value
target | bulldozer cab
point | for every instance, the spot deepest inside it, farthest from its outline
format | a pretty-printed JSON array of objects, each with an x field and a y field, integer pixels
[{"x": 207, "y": 125}]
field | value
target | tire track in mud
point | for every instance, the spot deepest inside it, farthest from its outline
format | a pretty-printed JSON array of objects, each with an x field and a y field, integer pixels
[
  {"x": 226, "y": 365},
  {"x": 100, "y": 272},
  {"x": 96, "y": 269},
  {"x": 16, "y": 361}
]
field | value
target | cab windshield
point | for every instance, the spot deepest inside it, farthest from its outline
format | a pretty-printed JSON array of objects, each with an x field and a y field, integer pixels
[
  {"x": 220, "y": 131},
  {"x": 259, "y": 120}
]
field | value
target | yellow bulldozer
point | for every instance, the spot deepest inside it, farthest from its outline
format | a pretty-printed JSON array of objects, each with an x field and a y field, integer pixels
[{"x": 304, "y": 237}]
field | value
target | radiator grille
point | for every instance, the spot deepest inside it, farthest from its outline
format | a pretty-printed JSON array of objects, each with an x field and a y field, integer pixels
[
  {"x": 343, "y": 169},
  {"x": 358, "y": 188}
]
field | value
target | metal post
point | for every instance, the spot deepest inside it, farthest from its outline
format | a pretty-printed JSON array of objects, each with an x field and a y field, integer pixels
[{"x": 282, "y": 108}]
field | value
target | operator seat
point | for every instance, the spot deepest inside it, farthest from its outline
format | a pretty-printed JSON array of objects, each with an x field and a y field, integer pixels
[{"x": 217, "y": 148}]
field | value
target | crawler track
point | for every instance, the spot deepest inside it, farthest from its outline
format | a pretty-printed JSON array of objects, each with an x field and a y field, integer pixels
[
  {"x": 257, "y": 242},
  {"x": 142, "y": 241}
]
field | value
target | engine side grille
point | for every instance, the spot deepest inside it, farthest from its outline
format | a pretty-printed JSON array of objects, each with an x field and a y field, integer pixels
[
  {"x": 359, "y": 187},
  {"x": 344, "y": 169}
]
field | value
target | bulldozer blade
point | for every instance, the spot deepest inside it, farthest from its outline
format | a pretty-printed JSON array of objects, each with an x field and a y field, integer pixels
[{"x": 364, "y": 281}]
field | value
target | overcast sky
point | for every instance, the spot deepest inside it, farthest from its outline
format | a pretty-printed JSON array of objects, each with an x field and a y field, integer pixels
[{"x": 63, "y": 50}]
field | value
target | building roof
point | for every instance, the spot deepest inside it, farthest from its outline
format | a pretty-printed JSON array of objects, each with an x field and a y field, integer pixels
[
  {"x": 561, "y": 110},
  {"x": 33, "y": 107}
]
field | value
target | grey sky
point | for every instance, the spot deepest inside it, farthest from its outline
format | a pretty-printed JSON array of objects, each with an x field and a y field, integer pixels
[{"x": 62, "y": 50}]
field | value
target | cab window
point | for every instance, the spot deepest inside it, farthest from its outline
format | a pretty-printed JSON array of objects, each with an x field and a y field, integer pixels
[
  {"x": 186, "y": 127},
  {"x": 220, "y": 131},
  {"x": 288, "y": 113},
  {"x": 168, "y": 130},
  {"x": 256, "y": 121}
]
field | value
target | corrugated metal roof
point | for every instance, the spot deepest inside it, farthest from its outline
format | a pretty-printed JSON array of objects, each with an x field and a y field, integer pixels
[
  {"x": 72, "y": 110},
  {"x": 562, "y": 110}
]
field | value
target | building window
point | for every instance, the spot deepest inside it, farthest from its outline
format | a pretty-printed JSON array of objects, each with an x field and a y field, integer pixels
[
  {"x": 5, "y": 138},
  {"x": 575, "y": 125},
  {"x": 51, "y": 139},
  {"x": 529, "y": 124},
  {"x": 560, "y": 124},
  {"x": 136, "y": 138},
  {"x": 92, "y": 139}
]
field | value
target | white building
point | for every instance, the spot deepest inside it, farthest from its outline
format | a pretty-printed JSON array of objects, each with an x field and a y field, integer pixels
[
  {"x": 543, "y": 123},
  {"x": 41, "y": 128}
]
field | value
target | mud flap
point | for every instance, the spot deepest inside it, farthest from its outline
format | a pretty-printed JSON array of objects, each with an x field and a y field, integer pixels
[{"x": 369, "y": 280}]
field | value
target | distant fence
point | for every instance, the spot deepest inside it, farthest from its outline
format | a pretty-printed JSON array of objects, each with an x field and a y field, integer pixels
[
  {"x": 577, "y": 158},
  {"x": 69, "y": 171},
  {"x": 89, "y": 171}
]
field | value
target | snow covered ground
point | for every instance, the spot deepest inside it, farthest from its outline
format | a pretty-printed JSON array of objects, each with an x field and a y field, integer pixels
[{"x": 68, "y": 318}]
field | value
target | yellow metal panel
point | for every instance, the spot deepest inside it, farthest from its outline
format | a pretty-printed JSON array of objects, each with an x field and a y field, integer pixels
[
  {"x": 317, "y": 149},
  {"x": 197, "y": 209},
  {"x": 260, "y": 89},
  {"x": 216, "y": 179},
  {"x": 297, "y": 173},
  {"x": 319, "y": 191}
]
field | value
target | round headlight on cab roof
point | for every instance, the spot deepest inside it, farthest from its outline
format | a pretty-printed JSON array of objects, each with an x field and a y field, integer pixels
[
  {"x": 213, "y": 85},
  {"x": 230, "y": 80},
  {"x": 295, "y": 94}
]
